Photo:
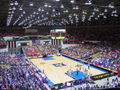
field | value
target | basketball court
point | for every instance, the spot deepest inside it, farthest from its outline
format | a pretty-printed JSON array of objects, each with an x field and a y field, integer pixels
[{"x": 60, "y": 69}]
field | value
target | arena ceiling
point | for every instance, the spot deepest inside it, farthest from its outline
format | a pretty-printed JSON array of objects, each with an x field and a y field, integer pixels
[{"x": 30, "y": 13}]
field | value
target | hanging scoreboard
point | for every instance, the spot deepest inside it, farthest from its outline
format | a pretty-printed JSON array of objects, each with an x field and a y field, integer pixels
[{"x": 58, "y": 33}]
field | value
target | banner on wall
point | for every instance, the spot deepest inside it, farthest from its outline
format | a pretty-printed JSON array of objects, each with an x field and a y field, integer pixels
[
  {"x": 11, "y": 44},
  {"x": 56, "y": 41},
  {"x": 100, "y": 76},
  {"x": 3, "y": 44}
]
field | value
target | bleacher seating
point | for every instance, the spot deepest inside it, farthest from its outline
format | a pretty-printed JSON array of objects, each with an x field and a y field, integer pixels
[
  {"x": 109, "y": 58},
  {"x": 48, "y": 50},
  {"x": 21, "y": 75},
  {"x": 82, "y": 51},
  {"x": 31, "y": 51}
]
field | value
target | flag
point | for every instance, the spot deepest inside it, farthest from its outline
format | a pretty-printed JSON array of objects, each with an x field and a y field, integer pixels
[
  {"x": 56, "y": 41},
  {"x": 11, "y": 44},
  {"x": 2, "y": 42},
  {"x": 35, "y": 42}
]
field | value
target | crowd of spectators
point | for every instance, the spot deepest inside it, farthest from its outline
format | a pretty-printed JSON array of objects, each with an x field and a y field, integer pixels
[
  {"x": 37, "y": 50},
  {"x": 109, "y": 59},
  {"x": 109, "y": 85},
  {"x": 31, "y": 51},
  {"x": 47, "y": 49},
  {"x": 17, "y": 60},
  {"x": 115, "y": 83},
  {"x": 21, "y": 74},
  {"x": 5, "y": 58},
  {"x": 82, "y": 51},
  {"x": 86, "y": 84},
  {"x": 70, "y": 84}
]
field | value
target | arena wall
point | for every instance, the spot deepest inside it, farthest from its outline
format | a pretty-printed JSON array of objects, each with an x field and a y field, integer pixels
[{"x": 4, "y": 50}]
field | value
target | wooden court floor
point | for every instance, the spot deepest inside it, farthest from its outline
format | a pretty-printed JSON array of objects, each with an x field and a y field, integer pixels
[{"x": 57, "y": 74}]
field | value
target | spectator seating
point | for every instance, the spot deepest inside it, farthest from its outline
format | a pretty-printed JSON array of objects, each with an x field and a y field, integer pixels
[
  {"x": 31, "y": 51},
  {"x": 110, "y": 58},
  {"x": 21, "y": 75},
  {"x": 48, "y": 50}
]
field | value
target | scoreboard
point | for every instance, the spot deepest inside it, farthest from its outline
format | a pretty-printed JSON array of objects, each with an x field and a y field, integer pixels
[
  {"x": 58, "y": 33},
  {"x": 25, "y": 44}
]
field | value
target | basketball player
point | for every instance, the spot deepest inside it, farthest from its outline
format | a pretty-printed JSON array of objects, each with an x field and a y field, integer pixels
[
  {"x": 77, "y": 72},
  {"x": 88, "y": 66},
  {"x": 43, "y": 71},
  {"x": 80, "y": 68}
]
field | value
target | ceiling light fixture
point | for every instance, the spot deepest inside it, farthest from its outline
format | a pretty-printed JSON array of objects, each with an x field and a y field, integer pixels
[
  {"x": 72, "y": 1},
  {"x": 31, "y": 4},
  {"x": 57, "y": 0},
  {"x": 89, "y": 2}
]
